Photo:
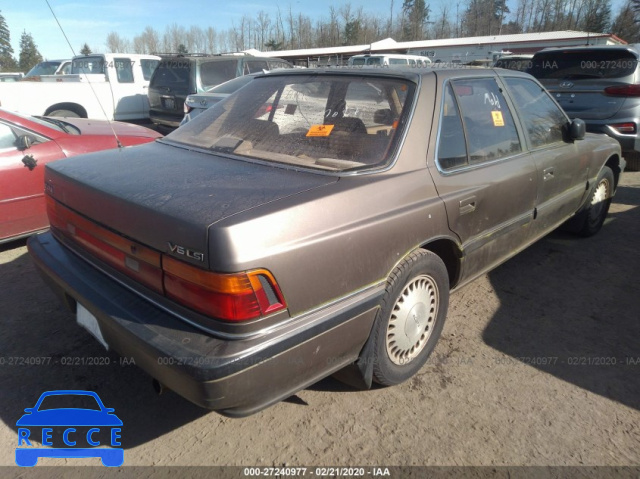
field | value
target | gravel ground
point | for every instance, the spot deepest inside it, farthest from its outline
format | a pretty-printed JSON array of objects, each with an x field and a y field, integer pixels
[{"x": 538, "y": 365}]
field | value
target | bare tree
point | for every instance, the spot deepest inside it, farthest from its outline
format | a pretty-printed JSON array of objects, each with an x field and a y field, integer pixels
[{"x": 117, "y": 44}]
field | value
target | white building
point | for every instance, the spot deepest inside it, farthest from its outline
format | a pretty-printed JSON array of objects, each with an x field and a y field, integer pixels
[{"x": 451, "y": 50}]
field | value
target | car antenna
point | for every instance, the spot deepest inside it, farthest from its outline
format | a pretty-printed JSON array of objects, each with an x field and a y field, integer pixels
[{"x": 88, "y": 82}]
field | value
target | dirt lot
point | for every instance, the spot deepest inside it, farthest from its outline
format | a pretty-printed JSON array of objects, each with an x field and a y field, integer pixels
[{"x": 539, "y": 364}]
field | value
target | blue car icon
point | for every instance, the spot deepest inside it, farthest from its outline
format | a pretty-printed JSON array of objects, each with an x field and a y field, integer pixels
[{"x": 90, "y": 423}]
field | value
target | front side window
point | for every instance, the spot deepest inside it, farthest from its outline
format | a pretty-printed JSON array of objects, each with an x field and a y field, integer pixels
[
  {"x": 328, "y": 122},
  {"x": 489, "y": 126},
  {"x": 542, "y": 118}
]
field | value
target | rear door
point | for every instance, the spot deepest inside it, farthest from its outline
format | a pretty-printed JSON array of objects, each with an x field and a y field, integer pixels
[
  {"x": 22, "y": 207},
  {"x": 577, "y": 79},
  {"x": 485, "y": 178}
]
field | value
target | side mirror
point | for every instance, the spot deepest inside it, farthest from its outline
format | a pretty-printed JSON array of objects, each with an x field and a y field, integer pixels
[
  {"x": 577, "y": 129},
  {"x": 24, "y": 142}
]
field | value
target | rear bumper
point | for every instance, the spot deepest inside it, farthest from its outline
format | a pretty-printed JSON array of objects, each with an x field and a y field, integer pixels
[
  {"x": 234, "y": 377},
  {"x": 166, "y": 119}
]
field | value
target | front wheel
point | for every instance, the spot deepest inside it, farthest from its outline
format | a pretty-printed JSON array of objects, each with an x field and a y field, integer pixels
[
  {"x": 596, "y": 211},
  {"x": 411, "y": 317}
]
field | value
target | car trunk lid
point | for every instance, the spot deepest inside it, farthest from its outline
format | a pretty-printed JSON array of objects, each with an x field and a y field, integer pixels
[{"x": 172, "y": 195}]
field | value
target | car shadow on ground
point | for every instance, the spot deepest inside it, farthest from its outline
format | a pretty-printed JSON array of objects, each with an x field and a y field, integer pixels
[
  {"x": 583, "y": 330},
  {"x": 43, "y": 349}
]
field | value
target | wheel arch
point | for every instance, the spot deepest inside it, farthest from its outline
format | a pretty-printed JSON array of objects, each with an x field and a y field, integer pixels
[
  {"x": 448, "y": 250},
  {"x": 614, "y": 163}
]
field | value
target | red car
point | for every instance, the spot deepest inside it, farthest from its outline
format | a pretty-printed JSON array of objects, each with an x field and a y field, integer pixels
[{"x": 28, "y": 143}]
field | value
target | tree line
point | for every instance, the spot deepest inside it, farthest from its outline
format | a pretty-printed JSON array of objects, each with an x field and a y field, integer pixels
[{"x": 408, "y": 20}]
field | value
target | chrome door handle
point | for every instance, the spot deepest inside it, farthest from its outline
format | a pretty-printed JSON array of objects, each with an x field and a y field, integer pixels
[
  {"x": 547, "y": 173},
  {"x": 468, "y": 205}
]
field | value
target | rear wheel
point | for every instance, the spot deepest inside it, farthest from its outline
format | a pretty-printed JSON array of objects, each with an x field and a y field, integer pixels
[{"x": 411, "y": 317}]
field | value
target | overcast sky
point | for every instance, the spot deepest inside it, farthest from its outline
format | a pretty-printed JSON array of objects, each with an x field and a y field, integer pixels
[{"x": 91, "y": 21}]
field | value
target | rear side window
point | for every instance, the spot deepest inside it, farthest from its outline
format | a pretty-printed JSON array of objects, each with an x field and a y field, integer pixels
[
  {"x": 542, "y": 118},
  {"x": 88, "y": 65},
  {"x": 214, "y": 73},
  {"x": 452, "y": 149},
  {"x": 583, "y": 64},
  {"x": 488, "y": 123},
  {"x": 148, "y": 67},
  {"x": 124, "y": 70},
  {"x": 174, "y": 74}
]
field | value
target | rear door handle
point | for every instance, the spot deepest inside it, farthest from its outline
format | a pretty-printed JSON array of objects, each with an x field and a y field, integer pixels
[
  {"x": 548, "y": 173},
  {"x": 468, "y": 205}
]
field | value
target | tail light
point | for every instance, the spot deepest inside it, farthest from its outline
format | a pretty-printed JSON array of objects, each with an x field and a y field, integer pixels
[
  {"x": 228, "y": 297},
  {"x": 626, "y": 128},
  {"x": 231, "y": 297},
  {"x": 624, "y": 90}
]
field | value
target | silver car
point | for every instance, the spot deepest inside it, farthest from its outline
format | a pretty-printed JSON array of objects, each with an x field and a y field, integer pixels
[{"x": 600, "y": 85}]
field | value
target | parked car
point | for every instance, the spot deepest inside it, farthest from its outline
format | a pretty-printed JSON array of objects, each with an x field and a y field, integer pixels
[
  {"x": 600, "y": 85},
  {"x": 254, "y": 251},
  {"x": 199, "y": 102},
  {"x": 11, "y": 76},
  {"x": 27, "y": 144},
  {"x": 178, "y": 76},
  {"x": 111, "y": 86},
  {"x": 49, "y": 67},
  {"x": 388, "y": 60},
  {"x": 520, "y": 63}
]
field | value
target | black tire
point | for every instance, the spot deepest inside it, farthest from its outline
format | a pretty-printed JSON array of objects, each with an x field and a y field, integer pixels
[
  {"x": 633, "y": 161},
  {"x": 417, "y": 290},
  {"x": 64, "y": 114},
  {"x": 594, "y": 214}
]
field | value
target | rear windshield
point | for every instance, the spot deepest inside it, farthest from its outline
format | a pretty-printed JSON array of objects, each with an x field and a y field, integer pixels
[
  {"x": 214, "y": 73},
  {"x": 583, "y": 64},
  {"x": 327, "y": 122},
  {"x": 174, "y": 74}
]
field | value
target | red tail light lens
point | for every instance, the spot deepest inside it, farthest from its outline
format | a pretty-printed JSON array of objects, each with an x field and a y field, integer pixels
[
  {"x": 231, "y": 297},
  {"x": 626, "y": 128},
  {"x": 625, "y": 90}
]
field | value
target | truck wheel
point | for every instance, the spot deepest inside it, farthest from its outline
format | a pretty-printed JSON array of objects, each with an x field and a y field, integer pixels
[
  {"x": 411, "y": 317},
  {"x": 64, "y": 113},
  {"x": 595, "y": 213}
]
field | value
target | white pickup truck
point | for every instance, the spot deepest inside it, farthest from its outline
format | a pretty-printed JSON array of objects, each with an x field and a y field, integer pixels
[{"x": 101, "y": 86}]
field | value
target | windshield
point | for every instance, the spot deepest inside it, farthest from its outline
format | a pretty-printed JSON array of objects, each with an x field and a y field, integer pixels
[
  {"x": 583, "y": 64},
  {"x": 43, "y": 68},
  {"x": 329, "y": 122}
]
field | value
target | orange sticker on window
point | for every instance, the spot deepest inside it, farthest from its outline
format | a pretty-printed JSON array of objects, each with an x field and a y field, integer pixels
[
  {"x": 497, "y": 118},
  {"x": 320, "y": 130}
]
